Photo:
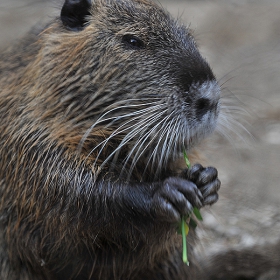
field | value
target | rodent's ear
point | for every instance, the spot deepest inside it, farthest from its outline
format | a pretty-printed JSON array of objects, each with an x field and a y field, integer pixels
[{"x": 74, "y": 12}]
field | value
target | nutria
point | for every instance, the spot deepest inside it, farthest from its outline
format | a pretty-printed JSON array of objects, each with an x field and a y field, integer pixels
[{"x": 96, "y": 110}]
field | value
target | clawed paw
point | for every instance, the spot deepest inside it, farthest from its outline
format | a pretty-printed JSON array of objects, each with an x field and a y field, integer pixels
[
  {"x": 176, "y": 197},
  {"x": 206, "y": 180}
]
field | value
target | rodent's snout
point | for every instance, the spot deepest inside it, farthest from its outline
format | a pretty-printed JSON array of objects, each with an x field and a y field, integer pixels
[
  {"x": 204, "y": 105},
  {"x": 198, "y": 84},
  {"x": 205, "y": 99}
]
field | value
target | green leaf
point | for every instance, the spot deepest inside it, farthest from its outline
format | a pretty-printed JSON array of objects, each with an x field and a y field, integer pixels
[
  {"x": 188, "y": 163},
  {"x": 197, "y": 214}
]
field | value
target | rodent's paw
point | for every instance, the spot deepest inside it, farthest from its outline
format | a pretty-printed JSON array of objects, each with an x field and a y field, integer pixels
[
  {"x": 206, "y": 179},
  {"x": 175, "y": 198}
]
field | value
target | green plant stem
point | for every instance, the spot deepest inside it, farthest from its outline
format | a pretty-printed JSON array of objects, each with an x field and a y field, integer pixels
[
  {"x": 196, "y": 212},
  {"x": 184, "y": 240}
]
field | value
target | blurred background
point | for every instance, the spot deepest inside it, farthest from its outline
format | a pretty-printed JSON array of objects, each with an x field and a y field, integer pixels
[{"x": 241, "y": 41}]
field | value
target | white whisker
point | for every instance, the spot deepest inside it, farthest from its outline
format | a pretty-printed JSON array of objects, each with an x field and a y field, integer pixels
[
  {"x": 135, "y": 124},
  {"x": 143, "y": 141}
]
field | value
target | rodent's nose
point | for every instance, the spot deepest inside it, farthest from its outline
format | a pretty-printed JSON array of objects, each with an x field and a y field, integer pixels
[
  {"x": 205, "y": 98},
  {"x": 205, "y": 105}
]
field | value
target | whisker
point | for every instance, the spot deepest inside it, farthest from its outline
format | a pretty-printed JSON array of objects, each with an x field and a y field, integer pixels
[
  {"x": 115, "y": 108},
  {"x": 128, "y": 137},
  {"x": 140, "y": 151},
  {"x": 228, "y": 123},
  {"x": 154, "y": 155},
  {"x": 169, "y": 142},
  {"x": 140, "y": 112},
  {"x": 139, "y": 129}
]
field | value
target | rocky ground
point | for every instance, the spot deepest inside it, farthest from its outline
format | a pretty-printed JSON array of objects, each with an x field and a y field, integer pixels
[{"x": 241, "y": 41}]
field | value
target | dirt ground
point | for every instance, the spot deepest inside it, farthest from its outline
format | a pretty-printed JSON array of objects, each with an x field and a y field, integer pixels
[{"x": 241, "y": 41}]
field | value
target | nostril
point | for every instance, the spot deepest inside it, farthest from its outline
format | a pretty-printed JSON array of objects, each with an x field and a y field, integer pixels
[
  {"x": 202, "y": 104},
  {"x": 202, "y": 107}
]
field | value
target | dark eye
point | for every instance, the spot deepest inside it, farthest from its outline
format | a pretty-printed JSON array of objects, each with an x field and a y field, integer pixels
[{"x": 133, "y": 41}]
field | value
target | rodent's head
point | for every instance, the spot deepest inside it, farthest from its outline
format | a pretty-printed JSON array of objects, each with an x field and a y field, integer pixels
[{"x": 124, "y": 82}]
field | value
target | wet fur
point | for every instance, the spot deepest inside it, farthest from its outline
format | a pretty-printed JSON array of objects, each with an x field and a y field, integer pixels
[{"x": 92, "y": 133}]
